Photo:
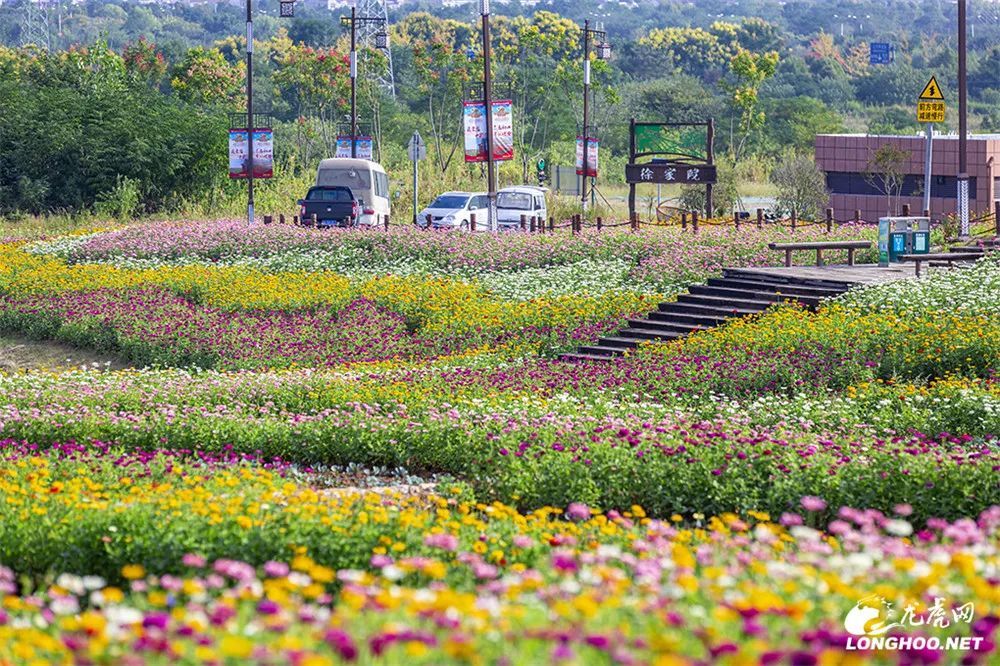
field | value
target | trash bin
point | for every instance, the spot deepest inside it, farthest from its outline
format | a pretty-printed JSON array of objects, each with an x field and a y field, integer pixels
[
  {"x": 921, "y": 231},
  {"x": 900, "y": 239}
]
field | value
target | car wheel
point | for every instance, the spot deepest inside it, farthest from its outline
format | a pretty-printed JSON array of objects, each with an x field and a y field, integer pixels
[{"x": 464, "y": 226}]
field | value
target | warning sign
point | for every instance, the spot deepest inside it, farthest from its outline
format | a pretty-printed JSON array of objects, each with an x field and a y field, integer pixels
[
  {"x": 930, "y": 104},
  {"x": 930, "y": 112},
  {"x": 932, "y": 90}
]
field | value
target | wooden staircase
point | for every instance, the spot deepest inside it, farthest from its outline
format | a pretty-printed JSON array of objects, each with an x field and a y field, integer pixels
[{"x": 739, "y": 292}]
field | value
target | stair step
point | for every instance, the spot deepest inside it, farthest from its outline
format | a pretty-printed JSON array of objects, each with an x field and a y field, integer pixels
[
  {"x": 723, "y": 301},
  {"x": 766, "y": 286},
  {"x": 643, "y": 333},
  {"x": 711, "y": 309},
  {"x": 706, "y": 320},
  {"x": 788, "y": 283},
  {"x": 601, "y": 351},
  {"x": 613, "y": 341},
  {"x": 583, "y": 357},
  {"x": 778, "y": 293}
]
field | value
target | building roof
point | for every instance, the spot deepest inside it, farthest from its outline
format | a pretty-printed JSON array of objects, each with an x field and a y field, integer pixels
[{"x": 917, "y": 135}]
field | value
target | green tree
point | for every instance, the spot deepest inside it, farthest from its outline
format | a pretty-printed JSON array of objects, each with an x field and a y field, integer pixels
[
  {"x": 204, "y": 77},
  {"x": 749, "y": 71},
  {"x": 801, "y": 186},
  {"x": 885, "y": 173}
]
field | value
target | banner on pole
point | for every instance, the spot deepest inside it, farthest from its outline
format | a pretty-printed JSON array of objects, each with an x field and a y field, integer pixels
[
  {"x": 593, "y": 150},
  {"x": 474, "y": 123},
  {"x": 263, "y": 153},
  {"x": 364, "y": 147}
]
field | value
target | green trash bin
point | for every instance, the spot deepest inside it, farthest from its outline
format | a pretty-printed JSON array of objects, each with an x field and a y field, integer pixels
[
  {"x": 921, "y": 243},
  {"x": 900, "y": 239}
]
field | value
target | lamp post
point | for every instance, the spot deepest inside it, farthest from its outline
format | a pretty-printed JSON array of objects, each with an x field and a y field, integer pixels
[
  {"x": 603, "y": 53},
  {"x": 381, "y": 42},
  {"x": 491, "y": 174},
  {"x": 963, "y": 126},
  {"x": 250, "y": 123}
]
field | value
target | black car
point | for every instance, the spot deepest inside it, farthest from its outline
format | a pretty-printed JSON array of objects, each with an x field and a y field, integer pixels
[{"x": 332, "y": 206}]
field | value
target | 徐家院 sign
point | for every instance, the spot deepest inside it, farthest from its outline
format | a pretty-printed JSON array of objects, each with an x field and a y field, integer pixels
[{"x": 671, "y": 172}]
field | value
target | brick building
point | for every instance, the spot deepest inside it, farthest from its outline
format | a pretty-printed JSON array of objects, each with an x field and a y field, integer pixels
[{"x": 845, "y": 159}]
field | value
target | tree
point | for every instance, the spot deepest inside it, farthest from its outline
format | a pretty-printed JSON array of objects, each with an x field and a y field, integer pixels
[
  {"x": 749, "y": 70},
  {"x": 885, "y": 173},
  {"x": 144, "y": 62},
  {"x": 801, "y": 186},
  {"x": 204, "y": 77},
  {"x": 795, "y": 123}
]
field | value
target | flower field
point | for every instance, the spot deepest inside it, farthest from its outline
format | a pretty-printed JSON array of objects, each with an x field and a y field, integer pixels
[{"x": 359, "y": 447}]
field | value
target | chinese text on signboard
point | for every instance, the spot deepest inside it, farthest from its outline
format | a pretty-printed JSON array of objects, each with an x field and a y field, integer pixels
[{"x": 474, "y": 122}]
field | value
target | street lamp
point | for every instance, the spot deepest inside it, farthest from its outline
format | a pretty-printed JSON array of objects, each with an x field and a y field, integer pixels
[
  {"x": 603, "y": 53},
  {"x": 381, "y": 42}
]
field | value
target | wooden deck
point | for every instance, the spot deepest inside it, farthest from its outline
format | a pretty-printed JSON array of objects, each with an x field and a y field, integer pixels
[{"x": 854, "y": 275}]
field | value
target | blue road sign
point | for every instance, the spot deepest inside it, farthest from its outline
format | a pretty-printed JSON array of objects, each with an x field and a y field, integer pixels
[{"x": 880, "y": 53}]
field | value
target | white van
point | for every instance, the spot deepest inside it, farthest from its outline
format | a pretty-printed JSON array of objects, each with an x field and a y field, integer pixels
[
  {"x": 368, "y": 183},
  {"x": 513, "y": 202}
]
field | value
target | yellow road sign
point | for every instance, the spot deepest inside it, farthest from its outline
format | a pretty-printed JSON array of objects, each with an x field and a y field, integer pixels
[
  {"x": 932, "y": 90},
  {"x": 930, "y": 112}
]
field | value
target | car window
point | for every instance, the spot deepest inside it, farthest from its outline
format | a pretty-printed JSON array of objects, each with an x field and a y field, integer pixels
[
  {"x": 355, "y": 179},
  {"x": 339, "y": 195},
  {"x": 450, "y": 201},
  {"x": 481, "y": 202},
  {"x": 381, "y": 184},
  {"x": 539, "y": 203},
  {"x": 514, "y": 201}
]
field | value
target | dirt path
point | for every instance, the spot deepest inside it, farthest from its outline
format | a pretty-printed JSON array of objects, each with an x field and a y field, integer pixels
[{"x": 18, "y": 353}]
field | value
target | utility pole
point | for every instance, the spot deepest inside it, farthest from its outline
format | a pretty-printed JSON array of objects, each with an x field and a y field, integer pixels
[
  {"x": 491, "y": 173},
  {"x": 250, "y": 123},
  {"x": 963, "y": 125},
  {"x": 603, "y": 53},
  {"x": 381, "y": 41}
]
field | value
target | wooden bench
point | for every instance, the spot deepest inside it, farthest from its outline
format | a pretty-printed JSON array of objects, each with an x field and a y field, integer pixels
[
  {"x": 850, "y": 246},
  {"x": 940, "y": 258}
]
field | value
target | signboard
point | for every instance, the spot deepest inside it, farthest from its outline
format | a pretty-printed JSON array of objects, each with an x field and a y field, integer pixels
[
  {"x": 474, "y": 124},
  {"x": 880, "y": 53},
  {"x": 930, "y": 104},
  {"x": 417, "y": 148},
  {"x": 671, "y": 172},
  {"x": 884, "y": 224},
  {"x": 665, "y": 139},
  {"x": 593, "y": 146},
  {"x": 363, "y": 147},
  {"x": 263, "y": 153}
]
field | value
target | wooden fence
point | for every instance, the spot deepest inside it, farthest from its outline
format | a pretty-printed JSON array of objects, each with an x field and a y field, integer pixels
[{"x": 686, "y": 221}]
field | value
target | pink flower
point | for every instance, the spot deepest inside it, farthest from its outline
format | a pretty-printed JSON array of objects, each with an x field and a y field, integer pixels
[
  {"x": 813, "y": 503},
  {"x": 578, "y": 511},
  {"x": 193, "y": 560}
]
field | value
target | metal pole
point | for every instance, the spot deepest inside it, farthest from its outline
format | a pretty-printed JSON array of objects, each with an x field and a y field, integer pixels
[
  {"x": 586, "y": 108},
  {"x": 928, "y": 166},
  {"x": 963, "y": 125},
  {"x": 631, "y": 160},
  {"x": 354, "y": 87},
  {"x": 710, "y": 153},
  {"x": 414, "y": 158},
  {"x": 491, "y": 174},
  {"x": 250, "y": 123}
]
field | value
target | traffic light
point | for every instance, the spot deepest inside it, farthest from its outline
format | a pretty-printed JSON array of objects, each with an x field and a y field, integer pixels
[{"x": 542, "y": 176}]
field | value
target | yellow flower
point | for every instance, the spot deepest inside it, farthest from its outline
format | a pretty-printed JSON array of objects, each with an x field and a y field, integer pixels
[{"x": 132, "y": 572}]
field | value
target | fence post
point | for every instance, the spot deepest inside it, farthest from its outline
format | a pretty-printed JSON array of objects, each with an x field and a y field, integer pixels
[
  {"x": 295, "y": 220},
  {"x": 472, "y": 221},
  {"x": 996, "y": 218},
  {"x": 428, "y": 219},
  {"x": 281, "y": 218},
  {"x": 599, "y": 223},
  {"x": 684, "y": 221},
  {"x": 531, "y": 224},
  {"x": 524, "y": 222},
  {"x": 760, "y": 218},
  {"x": 829, "y": 220},
  {"x": 857, "y": 216},
  {"x": 736, "y": 219},
  {"x": 635, "y": 222},
  {"x": 552, "y": 224},
  {"x": 906, "y": 210},
  {"x": 694, "y": 221},
  {"x": 315, "y": 220},
  {"x": 795, "y": 219},
  {"x": 387, "y": 223}
]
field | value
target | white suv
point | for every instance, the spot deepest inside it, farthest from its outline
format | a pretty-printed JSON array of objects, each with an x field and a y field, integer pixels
[
  {"x": 513, "y": 202},
  {"x": 454, "y": 210}
]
